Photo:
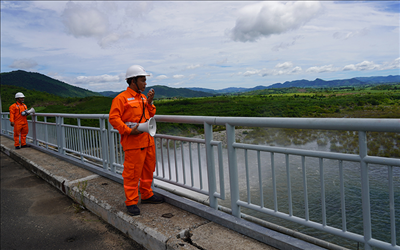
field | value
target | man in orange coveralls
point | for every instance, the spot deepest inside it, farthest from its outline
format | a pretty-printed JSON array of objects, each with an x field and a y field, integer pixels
[
  {"x": 18, "y": 120},
  {"x": 140, "y": 159}
]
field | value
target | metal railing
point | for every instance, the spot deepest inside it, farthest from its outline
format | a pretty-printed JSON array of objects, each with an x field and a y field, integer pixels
[{"x": 206, "y": 166}]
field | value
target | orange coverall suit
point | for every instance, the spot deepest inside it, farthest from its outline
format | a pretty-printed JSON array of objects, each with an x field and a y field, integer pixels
[
  {"x": 20, "y": 123},
  {"x": 140, "y": 154}
]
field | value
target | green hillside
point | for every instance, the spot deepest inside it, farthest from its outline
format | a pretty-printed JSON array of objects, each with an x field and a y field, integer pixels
[
  {"x": 39, "y": 82},
  {"x": 44, "y": 102},
  {"x": 167, "y": 92},
  {"x": 164, "y": 92}
]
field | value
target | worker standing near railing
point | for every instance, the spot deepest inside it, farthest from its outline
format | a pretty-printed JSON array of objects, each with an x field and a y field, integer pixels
[
  {"x": 18, "y": 113},
  {"x": 131, "y": 106}
]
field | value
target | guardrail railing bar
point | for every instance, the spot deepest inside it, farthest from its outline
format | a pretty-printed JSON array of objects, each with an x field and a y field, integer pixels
[
  {"x": 191, "y": 164},
  {"x": 112, "y": 148},
  {"x": 95, "y": 140},
  {"x": 162, "y": 157},
  {"x": 260, "y": 177},
  {"x": 289, "y": 185},
  {"x": 221, "y": 172},
  {"x": 156, "y": 144},
  {"x": 46, "y": 133},
  {"x": 104, "y": 144},
  {"x": 366, "y": 204},
  {"x": 169, "y": 160},
  {"x": 246, "y": 165},
  {"x": 300, "y": 152},
  {"x": 342, "y": 197},
  {"x": 303, "y": 167},
  {"x": 392, "y": 208},
  {"x": 233, "y": 171},
  {"x": 176, "y": 163},
  {"x": 210, "y": 163},
  {"x": 322, "y": 183},
  {"x": 183, "y": 163},
  {"x": 34, "y": 135},
  {"x": 274, "y": 181},
  {"x": 96, "y": 144},
  {"x": 62, "y": 134},
  {"x": 200, "y": 169}
]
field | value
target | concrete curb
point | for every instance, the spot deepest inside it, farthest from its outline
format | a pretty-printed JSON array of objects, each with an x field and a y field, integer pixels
[{"x": 187, "y": 231}]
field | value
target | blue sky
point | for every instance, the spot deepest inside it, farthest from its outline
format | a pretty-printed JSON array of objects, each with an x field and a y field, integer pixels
[{"x": 208, "y": 44}]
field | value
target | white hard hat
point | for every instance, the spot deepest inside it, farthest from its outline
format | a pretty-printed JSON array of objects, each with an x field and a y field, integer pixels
[
  {"x": 135, "y": 70},
  {"x": 19, "y": 95}
]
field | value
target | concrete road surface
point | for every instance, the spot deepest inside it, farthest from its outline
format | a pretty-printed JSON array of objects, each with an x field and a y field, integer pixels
[{"x": 34, "y": 215}]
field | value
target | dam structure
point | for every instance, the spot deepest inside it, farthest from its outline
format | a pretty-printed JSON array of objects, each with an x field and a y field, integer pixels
[{"x": 322, "y": 189}]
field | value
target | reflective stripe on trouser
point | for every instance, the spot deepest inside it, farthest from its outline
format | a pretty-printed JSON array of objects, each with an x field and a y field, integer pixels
[
  {"x": 138, "y": 164},
  {"x": 20, "y": 129}
]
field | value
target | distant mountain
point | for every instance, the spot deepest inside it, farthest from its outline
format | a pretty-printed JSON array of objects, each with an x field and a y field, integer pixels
[
  {"x": 165, "y": 92},
  {"x": 39, "y": 82},
  {"x": 109, "y": 93},
  {"x": 379, "y": 79},
  {"x": 228, "y": 90},
  {"x": 317, "y": 83}
]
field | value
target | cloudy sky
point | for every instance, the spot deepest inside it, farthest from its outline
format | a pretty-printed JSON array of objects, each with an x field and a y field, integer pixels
[{"x": 208, "y": 44}]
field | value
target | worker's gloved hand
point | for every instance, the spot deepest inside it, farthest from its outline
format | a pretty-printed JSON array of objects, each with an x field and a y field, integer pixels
[{"x": 24, "y": 113}]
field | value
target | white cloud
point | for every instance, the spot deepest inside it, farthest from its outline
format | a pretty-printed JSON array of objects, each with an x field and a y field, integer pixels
[
  {"x": 296, "y": 70},
  {"x": 112, "y": 38},
  {"x": 193, "y": 66},
  {"x": 83, "y": 21},
  {"x": 365, "y": 65},
  {"x": 251, "y": 72},
  {"x": 285, "y": 68},
  {"x": 97, "y": 79},
  {"x": 347, "y": 35},
  {"x": 161, "y": 77},
  {"x": 286, "y": 45},
  {"x": 321, "y": 69},
  {"x": 395, "y": 64},
  {"x": 284, "y": 65},
  {"x": 23, "y": 64},
  {"x": 186, "y": 41},
  {"x": 350, "y": 67},
  {"x": 267, "y": 18},
  {"x": 178, "y": 76},
  {"x": 138, "y": 10}
]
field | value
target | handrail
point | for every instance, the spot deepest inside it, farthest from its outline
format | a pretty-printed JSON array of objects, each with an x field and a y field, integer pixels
[{"x": 191, "y": 164}]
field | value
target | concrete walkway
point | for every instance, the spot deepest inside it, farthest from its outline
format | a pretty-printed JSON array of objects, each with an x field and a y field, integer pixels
[
  {"x": 36, "y": 216},
  {"x": 162, "y": 226}
]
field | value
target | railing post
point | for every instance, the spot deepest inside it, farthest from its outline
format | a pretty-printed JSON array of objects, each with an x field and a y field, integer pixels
[
  {"x": 366, "y": 204},
  {"x": 233, "y": 172},
  {"x": 212, "y": 187},
  {"x": 80, "y": 138},
  {"x": 34, "y": 134},
  {"x": 60, "y": 134},
  {"x": 1, "y": 123},
  {"x": 111, "y": 157},
  {"x": 104, "y": 144}
]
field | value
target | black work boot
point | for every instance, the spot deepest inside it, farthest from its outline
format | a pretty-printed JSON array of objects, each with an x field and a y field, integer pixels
[
  {"x": 133, "y": 210},
  {"x": 153, "y": 200},
  {"x": 17, "y": 147}
]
